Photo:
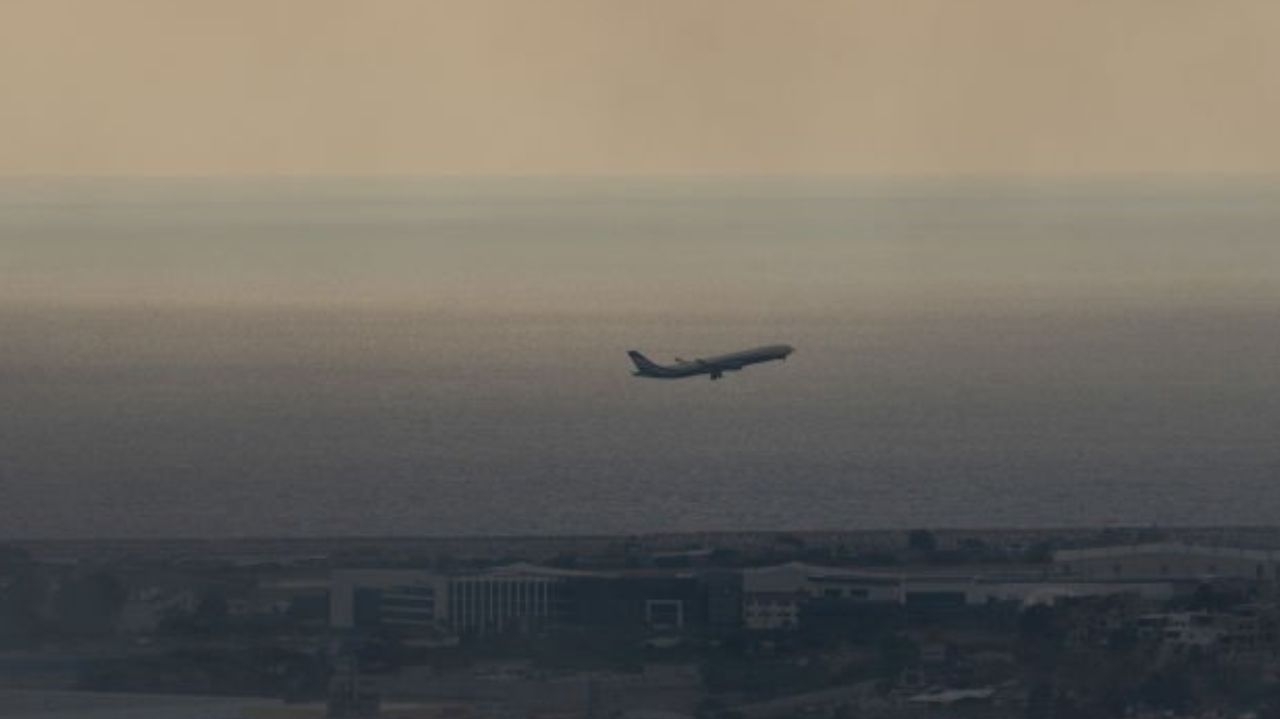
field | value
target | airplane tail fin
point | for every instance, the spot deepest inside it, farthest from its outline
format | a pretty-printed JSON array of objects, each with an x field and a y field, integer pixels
[{"x": 642, "y": 363}]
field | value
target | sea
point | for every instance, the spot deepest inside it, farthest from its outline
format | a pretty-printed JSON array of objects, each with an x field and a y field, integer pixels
[{"x": 290, "y": 357}]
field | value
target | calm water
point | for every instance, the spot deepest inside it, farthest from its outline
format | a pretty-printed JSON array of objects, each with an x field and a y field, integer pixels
[{"x": 434, "y": 357}]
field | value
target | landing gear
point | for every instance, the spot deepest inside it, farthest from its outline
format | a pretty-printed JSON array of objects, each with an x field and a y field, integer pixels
[{"x": 716, "y": 376}]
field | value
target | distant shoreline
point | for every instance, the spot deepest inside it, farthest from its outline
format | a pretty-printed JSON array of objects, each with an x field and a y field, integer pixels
[{"x": 541, "y": 547}]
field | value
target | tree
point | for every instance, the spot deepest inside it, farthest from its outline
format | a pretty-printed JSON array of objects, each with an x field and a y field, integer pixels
[
  {"x": 722, "y": 557},
  {"x": 1040, "y": 700},
  {"x": 1169, "y": 690},
  {"x": 20, "y": 608},
  {"x": 897, "y": 654},
  {"x": 1039, "y": 553},
  {"x": 564, "y": 561},
  {"x": 13, "y": 559},
  {"x": 922, "y": 540},
  {"x": 1040, "y": 638},
  {"x": 89, "y": 605},
  {"x": 211, "y": 611}
]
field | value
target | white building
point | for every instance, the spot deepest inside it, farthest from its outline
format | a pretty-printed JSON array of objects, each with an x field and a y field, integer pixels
[
  {"x": 487, "y": 602},
  {"x": 490, "y": 600}
]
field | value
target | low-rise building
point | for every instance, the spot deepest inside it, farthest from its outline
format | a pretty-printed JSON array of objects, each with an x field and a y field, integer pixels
[
  {"x": 774, "y": 597},
  {"x": 526, "y": 597},
  {"x": 1247, "y": 630},
  {"x": 494, "y": 600},
  {"x": 1168, "y": 560},
  {"x": 766, "y": 611}
]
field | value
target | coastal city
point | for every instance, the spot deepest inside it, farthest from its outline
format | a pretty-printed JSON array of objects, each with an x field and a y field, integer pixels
[
  {"x": 912, "y": 624},
  {"x": 605, "y": 359}
]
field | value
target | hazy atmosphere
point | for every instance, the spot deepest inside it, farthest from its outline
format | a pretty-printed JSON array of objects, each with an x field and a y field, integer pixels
[
  {"x": 440, "y": 356},
  {"x": 639, "y": 359},
  {"x": 333, "y": 267},
  {"x": 666, "y": 86}
]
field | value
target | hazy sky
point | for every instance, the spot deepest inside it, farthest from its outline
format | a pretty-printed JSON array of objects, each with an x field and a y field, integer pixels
[
  {"x": 620, "y": 86},
  {"x": 1040, "y": 340}
]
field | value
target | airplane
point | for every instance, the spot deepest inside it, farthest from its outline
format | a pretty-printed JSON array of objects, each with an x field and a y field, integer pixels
[{"x": 713, "y": 366}]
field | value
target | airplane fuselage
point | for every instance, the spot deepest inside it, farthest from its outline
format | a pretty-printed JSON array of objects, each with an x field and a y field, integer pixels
[{"x": 715, "y": 367}]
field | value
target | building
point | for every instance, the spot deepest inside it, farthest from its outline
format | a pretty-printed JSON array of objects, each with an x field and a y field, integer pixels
[
  {"x": 1169, "y": 560},
  {"x": 724, "y": 598},
  {"x": 1243, "y": 630},
  {"x": 526, "y": 597},
  {"x": 775, "y": 597},
  {"x": 766, "y": 611},
  {"x": 368, "y": 598},
  {"x": 351, "y": 694},
  {"x": 655, "y": 600},
  {"x": 517, "y": 596}
]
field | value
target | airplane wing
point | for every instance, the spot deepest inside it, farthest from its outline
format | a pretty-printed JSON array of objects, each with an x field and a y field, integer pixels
[{"x": 719, "y": 367}]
